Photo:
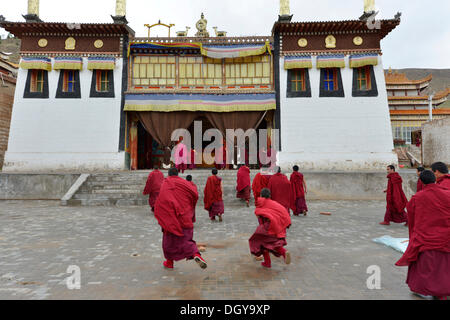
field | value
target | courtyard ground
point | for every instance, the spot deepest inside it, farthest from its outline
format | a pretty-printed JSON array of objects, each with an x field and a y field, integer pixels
[{"x": 118, "y": 252}]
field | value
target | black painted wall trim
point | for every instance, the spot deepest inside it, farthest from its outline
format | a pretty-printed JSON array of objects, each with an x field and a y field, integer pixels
[
  {"x": 276, "y": 69},
  {"x": 298, "y": 94},
  {"x": 110, "y": 93},
  {"x": 122, "y": 134},
  {"x": 27, "y": 94},
  {"x": 331, "y": 94},
  {"x": 68, "y": 95},
  {"x": 366, "y": 93}
]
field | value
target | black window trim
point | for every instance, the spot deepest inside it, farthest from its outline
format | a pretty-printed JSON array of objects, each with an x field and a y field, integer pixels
[
  {"x": 60, "y": 94},
  {"x": 331, "y": 94},
  {"x": 108, "y": 94},
  {"x": 298, "y": 94},
  {"x": 36, "y": 95},
  {"x": 373, "y": 92}
]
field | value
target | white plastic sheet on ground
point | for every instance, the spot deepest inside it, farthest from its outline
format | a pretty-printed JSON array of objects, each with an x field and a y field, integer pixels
[{"x": 398, "y": 244}]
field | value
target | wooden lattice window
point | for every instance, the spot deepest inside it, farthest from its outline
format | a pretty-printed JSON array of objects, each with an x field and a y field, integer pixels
[
  {"x": 298, "y": 80},
  {"x": 102, "y": 83},
  {"x": 331, "y": 79},
  {"x": 154, "y": 71},
  {"x": 37, "y": 81},
  {"x": 363, "y": 79},
  {"x": 69, "y": 81},
  {"x": 248, "y": 71}
]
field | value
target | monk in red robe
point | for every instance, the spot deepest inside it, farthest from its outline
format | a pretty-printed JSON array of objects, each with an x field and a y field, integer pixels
[
  {"x": 152, "y": 186},
  {"x": 395, "y": 198},
  {"x": 280, "y": 189},
  {"x": 261, "y": 181},
  {"x": 428, "y": 252},
  {"x": 212, "y": 198},
  {"x": 298, "y": 186},
  {"x": 270, "y": 235},
  {"x": 189, "y": 179},
  {"x": 440, "y": 170},
  {"x": 221, "y": 164},
  {"x": 420, "y": 184},
  {"x": 243, "y": 184},
  {"x": 174, "y": 212}
]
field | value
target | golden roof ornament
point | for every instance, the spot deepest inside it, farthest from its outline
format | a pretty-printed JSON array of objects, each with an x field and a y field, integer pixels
[
  {"x": 121, "y": 8},
  {"x": 369, "y": 6},
  {"x": 201, "y": 27},
  {"x": 285, "y": 9}
]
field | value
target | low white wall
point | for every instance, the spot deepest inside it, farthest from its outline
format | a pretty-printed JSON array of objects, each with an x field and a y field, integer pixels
[{"x": 436, "y": 141}]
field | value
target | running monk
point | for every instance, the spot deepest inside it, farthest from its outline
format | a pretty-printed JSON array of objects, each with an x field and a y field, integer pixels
[
  {"x": 270, "y": 235},
  {"x": 174, "y": 212}
]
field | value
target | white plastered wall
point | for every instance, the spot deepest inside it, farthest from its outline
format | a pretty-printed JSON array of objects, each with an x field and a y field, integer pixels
[
  {"x": 65, "y": 134},
  {"x": 334, "y": 134}
]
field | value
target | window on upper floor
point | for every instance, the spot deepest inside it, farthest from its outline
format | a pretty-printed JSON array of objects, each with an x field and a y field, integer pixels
[
  {"x": 102, "y": 84},
  {"x": 69, "y": 84},
  {"x": 364, "y": 82},
  {"x": 37, "y": 84},
  {"x": 331, "y": 83},
  {"x": 298, "y": 84}
]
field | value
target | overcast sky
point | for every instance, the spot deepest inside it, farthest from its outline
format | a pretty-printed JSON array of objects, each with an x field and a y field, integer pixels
[{"x": 421, "y": 41}]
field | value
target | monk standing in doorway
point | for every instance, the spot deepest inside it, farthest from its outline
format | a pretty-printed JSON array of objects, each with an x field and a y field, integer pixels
[
  {"x": 280, "y": 189},
  {"x": 213, "y": 196},
  {"x": 395, "y": 198},
  {"x": 243, "y": 184},
  {"x": 181, "y": 156},
  {"x": 428, "y": 252},
  {"x": 153, "y": 186},
  {"x": 270, "y": 236},
  {"x": 174, "y": 212},
  {"x": 298, "y": 186},
  {"x": 440, "y": 170}
]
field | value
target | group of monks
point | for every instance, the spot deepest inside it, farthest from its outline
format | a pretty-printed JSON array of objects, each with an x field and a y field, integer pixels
[
  {"x": 427, "y": 214},
  {"x": 173, "y": 201},
  {"x": 428, "y": 217}
]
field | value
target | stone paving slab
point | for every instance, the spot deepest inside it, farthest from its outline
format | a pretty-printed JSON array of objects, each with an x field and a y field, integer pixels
[{"x": 118, "y": 251}]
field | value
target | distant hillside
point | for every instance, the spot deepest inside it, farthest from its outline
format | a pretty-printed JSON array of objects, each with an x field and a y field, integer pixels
[{"x": 11, "y": 46}]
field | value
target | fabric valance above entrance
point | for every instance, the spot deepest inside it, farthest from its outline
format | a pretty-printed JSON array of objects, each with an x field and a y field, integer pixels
[
  {"x": 36, "y": 63},
  {"x": 210, "y": 51},
  {"x": 199, "y": 102}
]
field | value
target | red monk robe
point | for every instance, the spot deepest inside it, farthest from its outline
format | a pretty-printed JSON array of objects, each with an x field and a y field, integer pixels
[
  {"x": 396, "y": 200},
  {"x": 280, "y": 189},
  {"x": 212, "y": 199},
  {"x": 174, "y": 212},
  {"x": 420, "y": 185},
  {"x": 259, "y": 182},
  {"x": 428, "y": 252},
  {"x": 298, "y": 205},
  {"x": 243, "y": 184},
  {"x": 152, "y": 187},
  {"x": 270, "y": 235},
  {"x": 444, "y": 182}
]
